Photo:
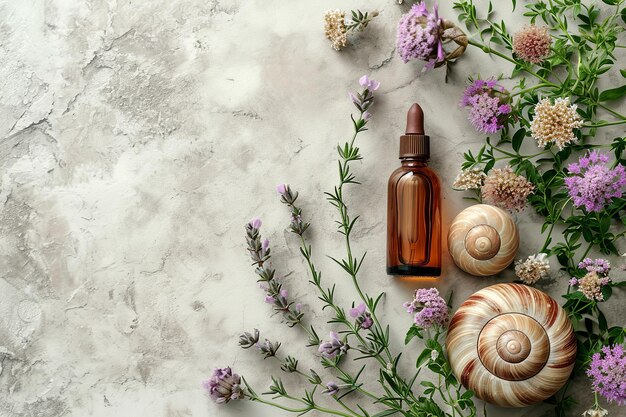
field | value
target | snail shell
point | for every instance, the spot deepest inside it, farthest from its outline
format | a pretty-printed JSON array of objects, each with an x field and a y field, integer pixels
[
  {"x": 483, "y": 240},
  {"x": 512, "y": 345}
]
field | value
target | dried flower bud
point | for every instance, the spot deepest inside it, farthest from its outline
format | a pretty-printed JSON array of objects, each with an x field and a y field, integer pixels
[{"x": 247, "y": 340}]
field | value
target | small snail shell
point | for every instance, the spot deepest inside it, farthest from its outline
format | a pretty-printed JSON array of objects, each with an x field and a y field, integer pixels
[
  {"x": 483, "y": 240},
  {"x": 512, "y": 345}
]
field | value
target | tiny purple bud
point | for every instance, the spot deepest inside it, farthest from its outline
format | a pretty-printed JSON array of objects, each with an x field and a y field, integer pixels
[
  {"x": 281, "y": 189},
  {"x": 269, "y": 299},
  {"x": 265, "y": 245},
  {"x": 367, "y": 115},
  {"x": 298, "y": 307},
  {"x": 256, "y": 223},
  {"x": 573, "y": 281},
  {"x": 368, "y": 83},
  {"x": 358, "y": 310},
  {"x": 284, "y": 293},
  {"x": 331, "y": 388}
]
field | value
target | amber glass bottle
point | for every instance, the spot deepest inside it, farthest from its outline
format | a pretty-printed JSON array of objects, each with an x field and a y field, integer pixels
[{"x": 414, "y": 206}]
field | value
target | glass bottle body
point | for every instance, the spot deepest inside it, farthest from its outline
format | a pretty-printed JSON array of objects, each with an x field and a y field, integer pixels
[{"x": 414, "y": 220}]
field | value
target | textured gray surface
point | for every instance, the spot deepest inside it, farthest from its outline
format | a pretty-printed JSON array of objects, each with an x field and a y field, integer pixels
[{"x": 138, "y": 138}]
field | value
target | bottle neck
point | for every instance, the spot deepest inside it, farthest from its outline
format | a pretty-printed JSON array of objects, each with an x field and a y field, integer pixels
[{"x": 413, "y": 162}]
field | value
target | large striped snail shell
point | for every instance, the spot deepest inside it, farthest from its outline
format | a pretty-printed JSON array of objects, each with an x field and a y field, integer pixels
[
  {"x": 483, "y": 240},
  {"x": 512, "y": 345}
]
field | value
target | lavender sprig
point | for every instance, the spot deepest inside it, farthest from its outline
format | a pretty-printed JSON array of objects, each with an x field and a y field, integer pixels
[{"x": 275, "y": 294}]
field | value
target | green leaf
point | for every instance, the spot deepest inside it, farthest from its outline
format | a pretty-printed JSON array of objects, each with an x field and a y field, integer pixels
[
  {"x": 623, "y": 71},
  {"x": 423, "y": 357},
  {"x": 607, "y": 291},
  {"x": 518, "y": 138},
  {"x": 623, "y": 14},
  {"x": 414, "y": 331},
  {"x": 613, "y": 94},
  {"x": 385, "y": 413}
]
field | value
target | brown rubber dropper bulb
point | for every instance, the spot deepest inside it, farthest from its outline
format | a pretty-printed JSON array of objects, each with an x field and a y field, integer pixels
[
  {"x": 414, "y": 143},
  {"x": 415, "y": 120}
]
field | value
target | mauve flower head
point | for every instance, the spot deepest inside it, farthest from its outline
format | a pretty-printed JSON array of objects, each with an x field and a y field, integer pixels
[
  {"x": 368, "y": 83},
  {"x": 488, "y": 103},
  {"x": 367, "y": 115},
  {"x": 532, "y": 44},
  {"x": 607, "y": 371},
  {"x": 592, "y": 184},
  {"x": 601, "y": 266},
  {"x": 573, "y": 281},
  {"x": 223, "y": 386},
  {"x": 429, "y": 308},
  {"x": 255, "y": 223},
  {"x": 281, "y": 189},
  {"x": 418, "y": 35},
  {"x": 334, "y": 347}
]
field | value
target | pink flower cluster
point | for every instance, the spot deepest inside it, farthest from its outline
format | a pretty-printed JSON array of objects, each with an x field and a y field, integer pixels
[
  {"x": 429, "y": 308},
  {"x": 487, "y": 101},
  {"x": 223, "y": 386},
  {"x": 608, "y": 373},
  {"x": 418, "y": 35},
  {"x": 592, "y": 184}
]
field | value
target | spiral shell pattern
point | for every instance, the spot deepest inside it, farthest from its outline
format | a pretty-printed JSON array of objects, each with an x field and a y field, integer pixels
[
  {"x": 483, "y": 240},
  {"x": 512, "y": 345}
]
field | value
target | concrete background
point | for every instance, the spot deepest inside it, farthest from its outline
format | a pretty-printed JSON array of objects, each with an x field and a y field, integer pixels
[{"x": 138, "y": 137}]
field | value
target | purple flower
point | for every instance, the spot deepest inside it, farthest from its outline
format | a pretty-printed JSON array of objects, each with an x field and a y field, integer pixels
[
  {"x": 592, "y": 183},
  {"x": 368, "y": 83},
  {"x": 367, "y": 115},
  {"x": 223, "y": 386},
  {"x": 364, "y": 99},
  {"x": 363, "y": 317},
  {"x": 255, "y": 223},
  {"x": 281, "y": 189},
  {"x": 429, "y": 308},
  {"x": 333, "y": 347},
  {"x": 418, "y": 35},
  {"x": 608, "y": 373},
  {"x": 488, "y": 105},
  {"x": 265, "y": 245},
  {"x": 357, "y": 311},
  {"x": 269, "y": 299},
  {"x": 601, "y": 266},
  {"x": 331, "y": 388},
  {"x": 573, "y": 281}
]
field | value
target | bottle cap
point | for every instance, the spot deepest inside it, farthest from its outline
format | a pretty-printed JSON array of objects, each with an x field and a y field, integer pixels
[{"x": 414, "y": 143}]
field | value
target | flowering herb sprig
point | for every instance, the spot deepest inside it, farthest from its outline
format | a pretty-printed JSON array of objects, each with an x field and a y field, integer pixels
[
  {"x": 360, "y": 335},
  {"x": 336, "y": 28},
  {"x": 275, "y": 294}
]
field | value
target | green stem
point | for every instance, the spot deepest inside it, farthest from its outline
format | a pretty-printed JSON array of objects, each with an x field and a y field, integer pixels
[
  {"x": 619, "y": 122},
  {"x": 613, "y": 112},
  {"x": 529, "y": 89},
  {"x": 490, "y": 50}
]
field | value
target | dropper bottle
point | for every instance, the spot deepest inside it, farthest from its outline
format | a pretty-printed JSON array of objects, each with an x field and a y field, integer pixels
[{"x": 414, "y": 206}]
